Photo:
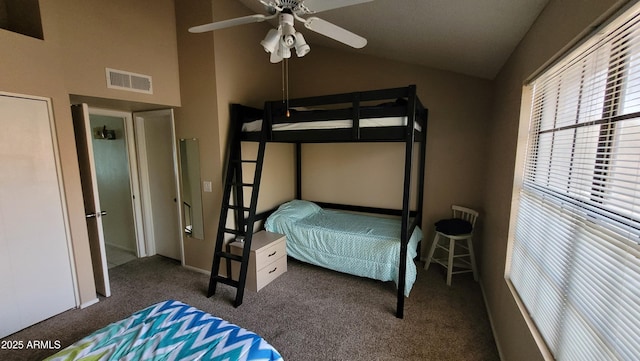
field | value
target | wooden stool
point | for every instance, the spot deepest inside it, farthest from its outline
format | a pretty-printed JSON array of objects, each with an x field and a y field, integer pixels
[{"x": 462, "y": 242}]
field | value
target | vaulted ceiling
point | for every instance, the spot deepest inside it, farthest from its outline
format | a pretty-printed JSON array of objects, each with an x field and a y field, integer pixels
[{"x": 473, "y": 37}]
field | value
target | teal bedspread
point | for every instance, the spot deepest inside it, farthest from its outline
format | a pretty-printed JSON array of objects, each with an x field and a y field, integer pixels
[
  {"x": 362, "y": 245},
  {"x": 170, "y": 330}
]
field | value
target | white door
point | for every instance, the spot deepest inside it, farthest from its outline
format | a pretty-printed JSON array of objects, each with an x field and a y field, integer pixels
[
  {"x": 91, "y": 197},
  {"x": 155, "y": 138},
  {"x": 36, "y": 279}
]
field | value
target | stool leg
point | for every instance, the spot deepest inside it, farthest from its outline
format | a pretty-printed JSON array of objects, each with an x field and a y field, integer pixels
[
  {"x": 473, "y": 258},
  {"x": 452, "y": 245},
  {"x": 436, "y": 239}
]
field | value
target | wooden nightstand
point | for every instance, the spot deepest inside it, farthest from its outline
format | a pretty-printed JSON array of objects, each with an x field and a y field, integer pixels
[{"x": 267, "y": 260}]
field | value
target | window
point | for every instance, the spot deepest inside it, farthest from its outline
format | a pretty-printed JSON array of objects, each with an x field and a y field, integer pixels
[{"x": 575, "y": 260}]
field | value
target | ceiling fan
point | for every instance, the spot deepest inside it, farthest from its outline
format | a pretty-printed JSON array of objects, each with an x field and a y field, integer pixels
[{"x": 279, "y": 42}]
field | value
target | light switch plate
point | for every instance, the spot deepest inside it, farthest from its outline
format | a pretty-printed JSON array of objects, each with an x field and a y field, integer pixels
[{"x": 206, "y": 186}]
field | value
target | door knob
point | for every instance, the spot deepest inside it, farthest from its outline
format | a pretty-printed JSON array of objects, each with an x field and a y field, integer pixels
[{"x": 97, "y": 214}]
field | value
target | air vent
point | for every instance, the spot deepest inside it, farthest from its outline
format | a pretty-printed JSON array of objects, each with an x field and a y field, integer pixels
[{"x": 124, "y": 80}]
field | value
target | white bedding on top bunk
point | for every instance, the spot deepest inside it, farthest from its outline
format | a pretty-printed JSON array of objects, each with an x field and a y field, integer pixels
[{"x": 256, "y": 125}]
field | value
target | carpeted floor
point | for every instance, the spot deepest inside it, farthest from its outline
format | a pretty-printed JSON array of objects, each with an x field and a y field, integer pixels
[{"x": 309, "y": 313}]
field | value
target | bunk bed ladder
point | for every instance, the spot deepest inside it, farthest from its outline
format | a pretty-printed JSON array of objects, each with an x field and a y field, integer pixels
[{"x": 245, "y": 217}]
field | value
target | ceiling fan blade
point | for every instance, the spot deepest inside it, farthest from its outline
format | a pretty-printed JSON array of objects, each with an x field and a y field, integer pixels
[
  {"x": 335, "y": 32},
  {"x": 316, "y": 6},
  {"x": 229, "y": 23}
]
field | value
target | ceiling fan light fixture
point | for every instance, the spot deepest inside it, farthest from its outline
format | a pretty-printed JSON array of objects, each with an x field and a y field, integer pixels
[
  {"x": 280, "y": 42},
  {"x": 270, "y": 42},
  {"x": 302, "y": 48},
  {"x": 286, "y": 20},
  {"x": 289, "y": 41},
  {"x": 288, "y": 29},
  {"x": 275, "y": 58},
  {"x": 283, "y": 51}
]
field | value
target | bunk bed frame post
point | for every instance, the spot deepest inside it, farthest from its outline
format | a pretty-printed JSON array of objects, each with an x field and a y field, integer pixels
[
  {"x": 298, "y": 171},
  {"x": 356, "y": 116},
  {"x": 423, "y": 161},
  {"x": 406, "y": 196}
]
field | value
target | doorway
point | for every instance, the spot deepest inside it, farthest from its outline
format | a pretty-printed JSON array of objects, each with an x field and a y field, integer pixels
[
  {"x": 158, "y": 165},
  {"x": 123, "y": 207},
  {"x": 116, "y": 179}
]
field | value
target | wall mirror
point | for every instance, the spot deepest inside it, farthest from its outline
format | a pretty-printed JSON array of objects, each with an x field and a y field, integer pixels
[{"x": 191, "y": 191}]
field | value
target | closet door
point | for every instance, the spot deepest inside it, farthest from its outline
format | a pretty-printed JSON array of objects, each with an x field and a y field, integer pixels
[{"x": 36, "y": 280}]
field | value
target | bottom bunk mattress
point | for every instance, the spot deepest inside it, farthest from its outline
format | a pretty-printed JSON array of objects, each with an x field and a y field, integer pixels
[
  {"x": 358, "y": 244},
  {"x": 170, "y": 330}
]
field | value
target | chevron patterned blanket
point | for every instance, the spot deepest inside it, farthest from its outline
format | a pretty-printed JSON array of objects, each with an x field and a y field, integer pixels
[{"x": 170, "y": 330}]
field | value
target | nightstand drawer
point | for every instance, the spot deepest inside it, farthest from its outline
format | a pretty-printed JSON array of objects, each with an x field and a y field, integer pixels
[
  {"x": 267, "y": 260},
  {"x": 270, "y": 272},
  {"x": 271, "y": 253}
]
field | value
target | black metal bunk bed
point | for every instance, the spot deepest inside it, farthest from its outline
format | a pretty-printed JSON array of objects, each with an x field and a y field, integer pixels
[{"x": 386, "y": 115}]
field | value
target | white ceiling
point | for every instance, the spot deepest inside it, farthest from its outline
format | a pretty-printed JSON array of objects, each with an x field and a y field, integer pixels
[{"x": 473, "y": 37}]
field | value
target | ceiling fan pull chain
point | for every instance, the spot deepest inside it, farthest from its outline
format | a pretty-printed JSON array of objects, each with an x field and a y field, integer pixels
[
  {"x": 285, "y": 85},
  {"x": 286, "y": 65},
  {"x": 283, "y": 97}
]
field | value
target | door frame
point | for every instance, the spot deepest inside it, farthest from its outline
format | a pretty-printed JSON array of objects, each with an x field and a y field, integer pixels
[
  {"x": 63, "y": 195},
  {"x": 134, "y": 177}
]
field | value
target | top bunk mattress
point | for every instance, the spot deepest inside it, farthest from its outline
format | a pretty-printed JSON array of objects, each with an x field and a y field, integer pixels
[
  {"x": 370, "y": 116},
  {"x": 256, "y": 125}
]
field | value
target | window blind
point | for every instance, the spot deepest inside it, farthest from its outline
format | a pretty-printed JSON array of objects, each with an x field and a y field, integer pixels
[{"x": 575, "y": 260}]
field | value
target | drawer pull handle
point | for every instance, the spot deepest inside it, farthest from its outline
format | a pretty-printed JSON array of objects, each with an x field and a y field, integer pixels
[
  {"x": 273, "y": 270},
  {"x": 274, "y": 252}
]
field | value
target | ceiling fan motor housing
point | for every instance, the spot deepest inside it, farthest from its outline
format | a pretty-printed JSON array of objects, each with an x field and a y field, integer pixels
[{"x": 295, "y": 6}]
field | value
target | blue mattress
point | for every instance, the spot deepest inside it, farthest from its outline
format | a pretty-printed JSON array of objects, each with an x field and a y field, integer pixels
[
  {"x": 170, "y": 330},
  {"x": 361, "y": 245}
]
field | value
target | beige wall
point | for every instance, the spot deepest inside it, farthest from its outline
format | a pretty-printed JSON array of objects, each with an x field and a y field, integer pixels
[
  {"x": 123, "y": 35},
  {"x": 355, "y": 173},
  {"x": 81, "y": 38},
  {"x": 561, "y": 22},
  {"x": 197, "y": 117}
]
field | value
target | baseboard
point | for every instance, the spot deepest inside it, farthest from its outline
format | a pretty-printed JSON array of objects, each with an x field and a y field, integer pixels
[
  {"x": 90, "y": 303},
  {"x": 199, "y": 270},
  {"x": 120, "y": 247},
  {"x": 493, "y": 330}
]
